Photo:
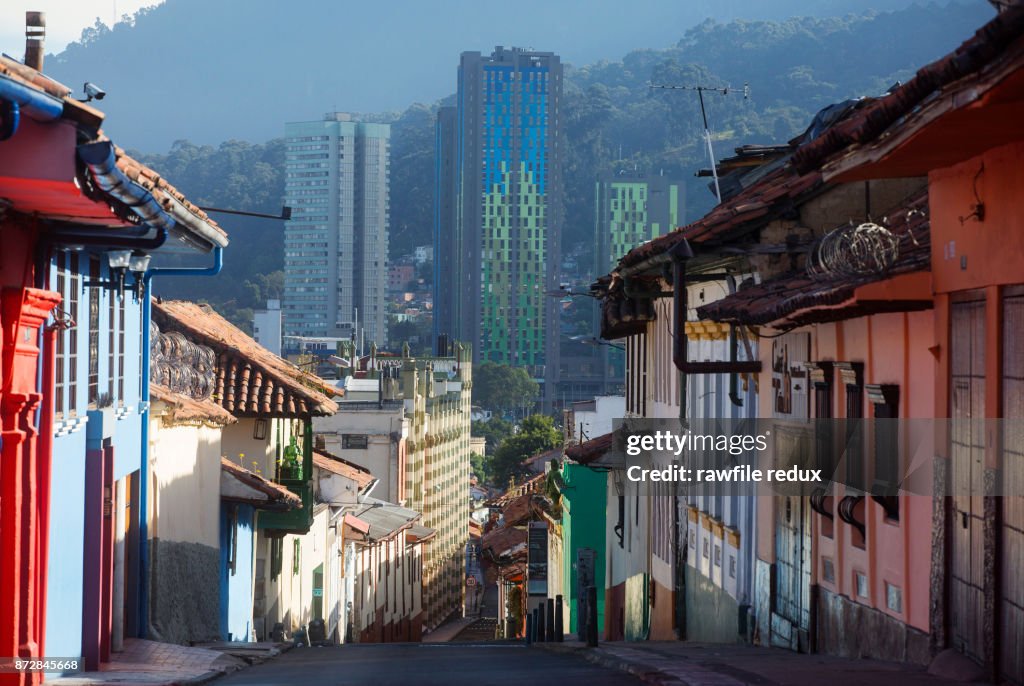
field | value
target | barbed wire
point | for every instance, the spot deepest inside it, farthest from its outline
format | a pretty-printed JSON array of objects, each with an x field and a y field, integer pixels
[
  {"x": 854, "y": 250},
  {"x": 181, "y": 365}
]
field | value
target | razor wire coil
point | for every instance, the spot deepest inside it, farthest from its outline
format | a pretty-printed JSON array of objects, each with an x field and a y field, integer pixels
[{"x": 855, "y": 250}]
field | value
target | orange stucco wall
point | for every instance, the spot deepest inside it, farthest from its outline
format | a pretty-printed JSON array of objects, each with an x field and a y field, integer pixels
[
  {"x": 993, "y": 248},
  {"x": 895, "y": 349}
]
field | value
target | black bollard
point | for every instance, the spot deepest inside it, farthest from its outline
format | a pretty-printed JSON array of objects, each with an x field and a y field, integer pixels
[
  {"x": 591, "y": 616},
  {"x": 549, "y": 631},
  {"x": 528, "y": 636},
  {"x": 559, "y": 628},
  {"x": 535, "y": 634},
  {"x": 541, "y": 624}
]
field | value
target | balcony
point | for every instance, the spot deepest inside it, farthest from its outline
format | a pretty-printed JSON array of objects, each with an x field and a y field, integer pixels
[
  {"x": 299, "y": 482},
  {"x": 297, "y": 521}
]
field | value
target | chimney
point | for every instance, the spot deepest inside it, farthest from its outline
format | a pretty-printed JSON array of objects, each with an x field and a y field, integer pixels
[{"x": 35, "y": 39}]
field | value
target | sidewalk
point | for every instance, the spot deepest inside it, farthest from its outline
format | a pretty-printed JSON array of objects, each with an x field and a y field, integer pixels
[
  {"x": 700, "y": 664},
  {"x": 165, "y": 664}
]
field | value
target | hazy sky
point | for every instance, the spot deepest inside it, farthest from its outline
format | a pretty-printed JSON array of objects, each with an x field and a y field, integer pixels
[{"x": 65, "y": 20}]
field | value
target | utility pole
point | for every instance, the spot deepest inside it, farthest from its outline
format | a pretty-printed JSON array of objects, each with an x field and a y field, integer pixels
[{"x": 703, "y": 113}]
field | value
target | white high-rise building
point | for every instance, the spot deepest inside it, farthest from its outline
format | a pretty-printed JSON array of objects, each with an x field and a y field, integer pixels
[
  {"x": 336, "y": 242},
  {"x": 266, "y": 327}
]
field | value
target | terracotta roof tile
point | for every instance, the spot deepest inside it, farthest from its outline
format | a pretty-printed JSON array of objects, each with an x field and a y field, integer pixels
[
  {"x": 251, "y": 380},
  {"x": 278, "y": 497},
  {"x": 337, "y": 465},
  {"x": 591, "y": 450},
  {"x": 987, "y": 45},
  {"x": 504, "y": 541},
  {"x": 183, "y": 409}
]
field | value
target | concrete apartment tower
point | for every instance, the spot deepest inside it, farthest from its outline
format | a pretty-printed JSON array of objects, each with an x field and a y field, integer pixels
[
  {"x": 336, "y": 243},
  {"x": 498, "y": 211},
  {"x": 266, "y": 327}
]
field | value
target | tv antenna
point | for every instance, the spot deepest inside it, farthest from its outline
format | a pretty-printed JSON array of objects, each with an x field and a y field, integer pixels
[{"x": 725, "y": 90}]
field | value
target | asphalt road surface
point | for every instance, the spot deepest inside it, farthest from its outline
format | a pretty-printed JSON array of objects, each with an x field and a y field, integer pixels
[{"x": 426, "y": 664}]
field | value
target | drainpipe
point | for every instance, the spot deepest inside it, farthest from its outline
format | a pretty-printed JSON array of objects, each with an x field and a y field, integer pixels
[
  {"x": 22, "y": 100},
  {"x": 147, "y": 317},
  {"x": 734, "y": 395}
]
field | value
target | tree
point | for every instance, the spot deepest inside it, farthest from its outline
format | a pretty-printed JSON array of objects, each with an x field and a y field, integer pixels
[
  {"x": 501, "y": 388},
  {"x": 482, "y": 467},
  {"x": 536, "y": 434},
  {"x": 495, "y": 431}
]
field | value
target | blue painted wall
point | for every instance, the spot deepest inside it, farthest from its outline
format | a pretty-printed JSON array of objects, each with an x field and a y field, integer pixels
[
  {"x": 236, "y": 586},
  {"x": 67, "y": 501}
]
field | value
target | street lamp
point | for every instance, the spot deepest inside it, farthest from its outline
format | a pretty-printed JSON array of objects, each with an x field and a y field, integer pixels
[
  {"x": 138, "y": 263},
  {"x": 118, "y": 260}
]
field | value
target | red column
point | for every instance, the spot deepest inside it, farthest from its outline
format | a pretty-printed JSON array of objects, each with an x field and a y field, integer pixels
[{"x": 22, "y": 312}]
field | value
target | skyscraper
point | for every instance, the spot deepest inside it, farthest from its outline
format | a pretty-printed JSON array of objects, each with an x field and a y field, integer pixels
[
  {"x": 336, "y": 243},
  {"x": 498, "y": 211},
  {"x": 631, "y": 208}
]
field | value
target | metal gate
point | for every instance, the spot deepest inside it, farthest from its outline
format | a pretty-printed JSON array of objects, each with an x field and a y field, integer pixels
[
  {"x": 967, "y": 456},
  {"x": 791, "y": 616},
  {"x": 1011, "y": 536}
]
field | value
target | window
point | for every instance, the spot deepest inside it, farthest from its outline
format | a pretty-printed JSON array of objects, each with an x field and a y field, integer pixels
[
  {"x": 94, "y": 329},
  {"x": 61, "y": 350},
  {"x": 276, "y": 557},
  {"x": 232, "y": 543},
  {"x": 111, "y": 342},
  {"x": 885, "y": 487},
  {"x": 120, "y": 352},
  {"x": 354, "y": 441},
  {"x": 74, "y": 311}
]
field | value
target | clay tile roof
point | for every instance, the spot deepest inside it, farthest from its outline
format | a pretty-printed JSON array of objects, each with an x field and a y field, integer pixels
[
  {"x": 251, "y": 380},
  {"x": 796, "y": 299},
  {"x": 589, "y": 451},
  {"x": 183, "y": 409},
  {"x": 90, "y": 119},
  {"x": 518, "y": 510},
  {"x": 74, "y": 110},
  {"x": 160, "y": 188},
  {"x": 503, "y": 541},
  {"x": 531, "y": 485},
  {"x": 987, "y": 45},
  {"x": 337, "y": 465},
  {"x": 774, "y": 194},
  {"x": 268, "y": 494}
]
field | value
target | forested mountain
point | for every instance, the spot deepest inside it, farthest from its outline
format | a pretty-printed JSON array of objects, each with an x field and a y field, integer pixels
[
  {"x": 612, "y": 121},
  {"x": 210, "y": 71}
]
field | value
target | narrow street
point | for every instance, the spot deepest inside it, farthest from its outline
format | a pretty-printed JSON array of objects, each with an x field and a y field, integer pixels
[{"x": 426, "y": 664}]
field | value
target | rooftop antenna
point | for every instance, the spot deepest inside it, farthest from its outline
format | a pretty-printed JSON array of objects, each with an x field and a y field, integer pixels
[{"x": 703, "y": 113}]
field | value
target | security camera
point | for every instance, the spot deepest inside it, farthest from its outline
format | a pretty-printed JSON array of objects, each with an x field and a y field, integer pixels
[{"x": 93, "y": 92}]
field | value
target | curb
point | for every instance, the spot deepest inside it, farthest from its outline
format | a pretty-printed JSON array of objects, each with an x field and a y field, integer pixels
[
  {"x": 204, "y": 678},
  {"x": 610, "y": 661}
]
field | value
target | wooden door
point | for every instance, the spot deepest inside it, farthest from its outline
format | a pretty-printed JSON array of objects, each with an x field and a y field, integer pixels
[
  {"x": 1010, "y": 599},
  {"x": 791, "y": 615},
  {"x": 967, "y": 456}
]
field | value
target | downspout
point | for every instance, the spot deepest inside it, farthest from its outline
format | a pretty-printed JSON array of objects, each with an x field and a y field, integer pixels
[
  {"x": 147, "y": 318},
  {"x": 679, "y": 254},
  {"x": 734, "y": 395},
  {"x": 26, "y": 101}
]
